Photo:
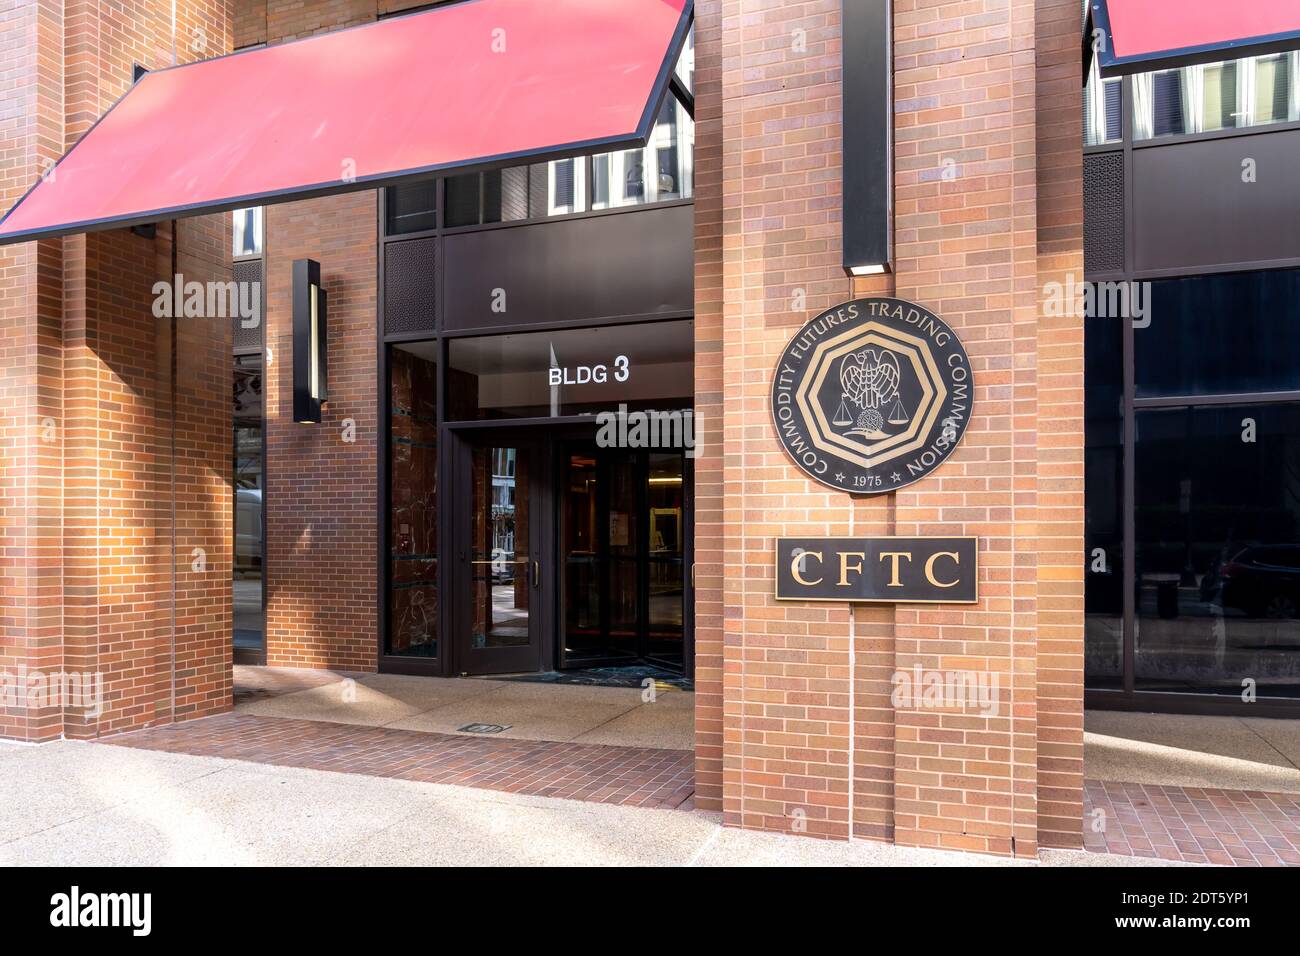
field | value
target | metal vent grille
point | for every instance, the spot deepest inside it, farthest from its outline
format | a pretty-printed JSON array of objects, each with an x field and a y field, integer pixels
[
  {"x": 409, "y": 286},
  {"x": 1103, "y": 219},
  {"x": 249, "y": 339}
]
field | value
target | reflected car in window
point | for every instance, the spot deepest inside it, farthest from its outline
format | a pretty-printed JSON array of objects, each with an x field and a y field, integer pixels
[
  {"x": 1262, "y": 581},
  {"x": 248, "y": 530}
]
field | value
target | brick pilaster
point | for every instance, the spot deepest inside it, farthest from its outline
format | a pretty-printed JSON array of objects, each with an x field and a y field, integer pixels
[{"x": 31, "y": 393}]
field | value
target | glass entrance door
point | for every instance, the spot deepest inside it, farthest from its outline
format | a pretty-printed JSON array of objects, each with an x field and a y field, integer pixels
[
  {"x": 621, "y": 536},
  {"x": 499, "y": 615},
  {"x": 666, "y": 522}
]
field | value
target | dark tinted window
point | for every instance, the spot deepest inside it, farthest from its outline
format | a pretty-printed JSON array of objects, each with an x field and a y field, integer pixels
[
  {"x": 1218, "y": 525},
  {"x": 507, "y": 195},
  {"x": 1227, "y": 333},
  {"x": 1104, "y": 526},
  {"x": 1281, "y": 557},
  {"x": 412, "y": 207},
  {"x": 463, "y": 200}
]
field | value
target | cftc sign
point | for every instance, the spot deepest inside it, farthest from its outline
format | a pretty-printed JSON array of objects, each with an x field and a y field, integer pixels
[
  {"x": 872, "y": 395},
  {"x": 878, "y": 570}
]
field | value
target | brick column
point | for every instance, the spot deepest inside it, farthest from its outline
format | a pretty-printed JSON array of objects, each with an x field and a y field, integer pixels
[
  {"x": 811, "y": 742},
  {"x": 1060, "y": 427},
  {"x": 31, "y": 393},
  {"x": 710, "y": 517},
  {"x": 103, "y": 471},
  {"x": 202, "y": 460}
]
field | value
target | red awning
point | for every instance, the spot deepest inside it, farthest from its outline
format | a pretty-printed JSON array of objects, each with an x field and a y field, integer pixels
[
  {"x": 1143, "y": 35},
  {"x": 484, "y": 82}
]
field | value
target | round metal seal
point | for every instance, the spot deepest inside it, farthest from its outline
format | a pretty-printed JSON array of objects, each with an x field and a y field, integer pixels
[{"x": 872, "y": 395}]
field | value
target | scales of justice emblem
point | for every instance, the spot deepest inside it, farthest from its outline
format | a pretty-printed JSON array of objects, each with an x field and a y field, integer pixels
[{"x": 869, "y": 394}]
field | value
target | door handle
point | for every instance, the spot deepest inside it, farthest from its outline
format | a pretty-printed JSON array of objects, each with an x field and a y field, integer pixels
[{"x": 535, "y": 569}]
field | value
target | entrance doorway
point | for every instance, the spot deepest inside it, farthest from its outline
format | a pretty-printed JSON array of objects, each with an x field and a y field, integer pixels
[
  {"x": 498, "y": 618},
  {"x": 621, "y": 536},
  {"x": 568, "y": 555},
  {"x": 529, "y": 520}
]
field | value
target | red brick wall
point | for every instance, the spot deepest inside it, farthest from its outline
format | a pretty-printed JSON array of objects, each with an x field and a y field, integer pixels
[
  {"x": 31, "y": 394},
  {"x": 150, "y": 399},
  {"x": 110, "y": 499},
  {"x": 795, "y": 729},
  {"x": 321, "y": 500},
  {"x": 203, "y": 489},
  {"x": 250, "y": 22},
  {"x": 290, "y": 19},
  {"x": 1060, "y": 426}
]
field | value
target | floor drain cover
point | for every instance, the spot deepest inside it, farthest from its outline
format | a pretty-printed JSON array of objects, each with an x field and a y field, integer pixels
[{"x": 484, "y": 728}]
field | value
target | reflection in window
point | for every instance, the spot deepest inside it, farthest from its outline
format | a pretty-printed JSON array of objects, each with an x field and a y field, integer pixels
[
  {"x": 1218, "y": 549},
  {"x": 685, "y": 68},
  {"x": 1252, "y": 91},
  {"x": 413, "y": 515},
  {"x": 247, "y": 232},
  {"x": 250, "y": 482},
  {"x": 1273, "y": 93},
  {"x": 1104, "y": 481},
  {"x": 1218, "y": 88},
  {"x": 1217, "y": 334},
  {"x": 513, "y": 194},
  {"x": 1215, "y": 575},
  {"x": 464, "y": 200},
  {"x": 622, "y": 535},
  {"x": 1102, "y": 109},
  {"x": 566, "y": 187},
  {"x": 666, "y": 572},
  {"x": 1167, "y": 89},
  {"x": 554, "y": 188},
  {"x": 663, "y": 170},
  {"x": 499, "y": 559},
  {"x": 412, "y": 207}
]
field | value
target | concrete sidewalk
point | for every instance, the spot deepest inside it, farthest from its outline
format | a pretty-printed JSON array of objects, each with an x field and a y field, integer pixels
[
  {"x": 1181, "y": 750},
  {"x": 614, "y": 716},
  {"x": 87, "y": 804}
]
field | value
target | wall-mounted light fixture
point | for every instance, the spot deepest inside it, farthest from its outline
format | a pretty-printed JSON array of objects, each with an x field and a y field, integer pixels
[
  {"x": 309, "y": 342},
  {"x": 868, "y": 102}
]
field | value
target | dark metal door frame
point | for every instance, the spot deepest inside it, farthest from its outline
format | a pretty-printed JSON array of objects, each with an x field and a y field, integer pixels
[
  {"x": 604, "y": 460},
  {"x": 462, "y": 658},
  {"x": 545, "y": 433}
]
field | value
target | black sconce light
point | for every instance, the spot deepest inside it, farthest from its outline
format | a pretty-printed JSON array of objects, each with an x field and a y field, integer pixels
[
  {"x": 868, "y": 98},
  {"x": 309, "y": 351}
]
